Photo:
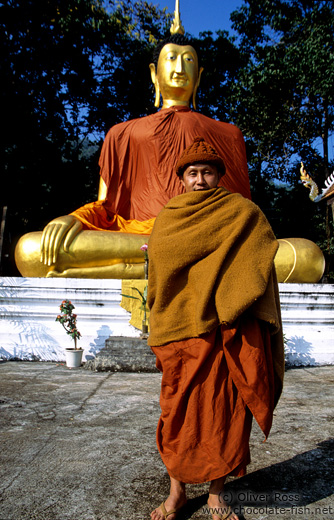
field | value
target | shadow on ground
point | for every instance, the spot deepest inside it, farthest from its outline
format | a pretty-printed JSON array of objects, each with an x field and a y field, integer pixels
[{"x": 299, "y": 481}]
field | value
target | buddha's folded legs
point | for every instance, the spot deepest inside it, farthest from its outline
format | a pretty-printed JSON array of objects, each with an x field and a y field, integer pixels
[
  {"x": 119, "y": 271},
  {"x": 92, "y": 254},
  {"x": 108, "y": 254}
]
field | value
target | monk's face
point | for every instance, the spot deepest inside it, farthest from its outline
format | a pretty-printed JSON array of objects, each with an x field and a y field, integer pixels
[
  {"x": 177, "y": 72},
  {"x": 199, "y": 176}
]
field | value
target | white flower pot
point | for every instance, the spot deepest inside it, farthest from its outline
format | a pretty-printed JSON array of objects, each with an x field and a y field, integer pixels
[{"x": 73, "y": 357}]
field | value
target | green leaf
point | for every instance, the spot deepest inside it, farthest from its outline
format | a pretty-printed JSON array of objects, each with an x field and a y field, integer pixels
[{"x": 128, "y": 296}]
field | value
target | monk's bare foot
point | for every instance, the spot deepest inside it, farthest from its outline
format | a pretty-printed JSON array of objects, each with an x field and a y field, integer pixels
[
  {"x": 220, "y": 510},
  {"x": 174, "y": 502}
]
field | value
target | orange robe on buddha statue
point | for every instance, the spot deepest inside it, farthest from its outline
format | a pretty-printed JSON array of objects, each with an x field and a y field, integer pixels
[{"x": 138, "y": 160}]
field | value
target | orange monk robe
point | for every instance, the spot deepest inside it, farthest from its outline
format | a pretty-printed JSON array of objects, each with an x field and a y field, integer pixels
[
  {"x": 138, "y": 160},
  {"x": 211, "y": 387},
  {"x": 215, "y": 329},
  {"x": 94, "y": 216}
]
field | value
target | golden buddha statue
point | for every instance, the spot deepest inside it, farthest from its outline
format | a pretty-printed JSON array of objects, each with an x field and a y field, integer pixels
[{"x": 103, "y": 238}]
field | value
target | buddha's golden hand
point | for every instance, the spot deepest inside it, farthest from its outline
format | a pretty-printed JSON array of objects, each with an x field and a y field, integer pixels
[{"x": 61, "y": 228}]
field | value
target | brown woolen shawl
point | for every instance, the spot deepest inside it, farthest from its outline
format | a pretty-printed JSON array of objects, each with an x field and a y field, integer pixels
[{"x": 211, "y": 258}]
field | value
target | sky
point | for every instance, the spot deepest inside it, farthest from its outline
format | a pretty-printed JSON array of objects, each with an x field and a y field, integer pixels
[{"x": 203, "y": 15}]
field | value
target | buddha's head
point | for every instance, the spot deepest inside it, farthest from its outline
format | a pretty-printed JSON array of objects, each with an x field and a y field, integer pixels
[{"x": 175, "y": 72}]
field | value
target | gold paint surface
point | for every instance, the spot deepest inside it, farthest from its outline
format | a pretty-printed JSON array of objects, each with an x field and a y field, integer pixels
[
  {"x": 132, "y": 305},
  {"x": 299, "y": 260},
  {"x": 177, "y": 76},
  {"x": 92, "y": 254}
]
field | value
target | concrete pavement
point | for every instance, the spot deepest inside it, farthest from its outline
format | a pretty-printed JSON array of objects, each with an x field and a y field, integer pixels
[{"x": 80, "y": 445}]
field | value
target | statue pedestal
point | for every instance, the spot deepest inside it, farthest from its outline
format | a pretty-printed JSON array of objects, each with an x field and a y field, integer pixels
[
  {"x": 29, "y": 307},
  {"x": 308, "y": 323}
]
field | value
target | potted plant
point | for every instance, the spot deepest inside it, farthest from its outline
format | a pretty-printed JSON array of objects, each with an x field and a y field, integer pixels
[{"x": 69, "y": 322}]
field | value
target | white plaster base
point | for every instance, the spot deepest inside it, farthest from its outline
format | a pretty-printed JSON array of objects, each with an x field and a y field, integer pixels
[
  {"x": 308, "y": 323},
  {"x": 29, "y": 307}
]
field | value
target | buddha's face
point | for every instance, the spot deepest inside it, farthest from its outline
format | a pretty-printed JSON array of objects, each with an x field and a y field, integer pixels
[{"x": 177, "y": 73}]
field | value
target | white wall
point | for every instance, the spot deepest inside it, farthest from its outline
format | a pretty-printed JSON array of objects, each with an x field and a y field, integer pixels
[
  {"x": 29, "y": 307},
  {"x": 308, "y": 323}
]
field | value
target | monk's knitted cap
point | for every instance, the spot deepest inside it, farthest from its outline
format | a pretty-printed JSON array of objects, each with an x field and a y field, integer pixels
[{"x": 199, "y": 152}]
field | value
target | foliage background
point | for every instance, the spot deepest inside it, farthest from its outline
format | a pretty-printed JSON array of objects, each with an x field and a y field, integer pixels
[{"x": 71, "y": 69}]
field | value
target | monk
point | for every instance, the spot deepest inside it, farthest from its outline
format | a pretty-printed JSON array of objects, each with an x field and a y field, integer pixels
[
  {"x": 103, "y": 239},
  {"x": 215, "y": 330}
]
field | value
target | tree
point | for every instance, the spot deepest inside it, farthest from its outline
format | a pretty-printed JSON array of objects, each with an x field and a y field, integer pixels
[
  {"x": 67, "y": 75},
  {"x": 284, "y": 97},
  {"x": 221, "y": 61},
  {"x": 284, "y": 104}
]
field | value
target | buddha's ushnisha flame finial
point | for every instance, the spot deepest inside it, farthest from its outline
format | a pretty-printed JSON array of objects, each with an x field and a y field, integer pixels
[{"x": 177, "y": 27}]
